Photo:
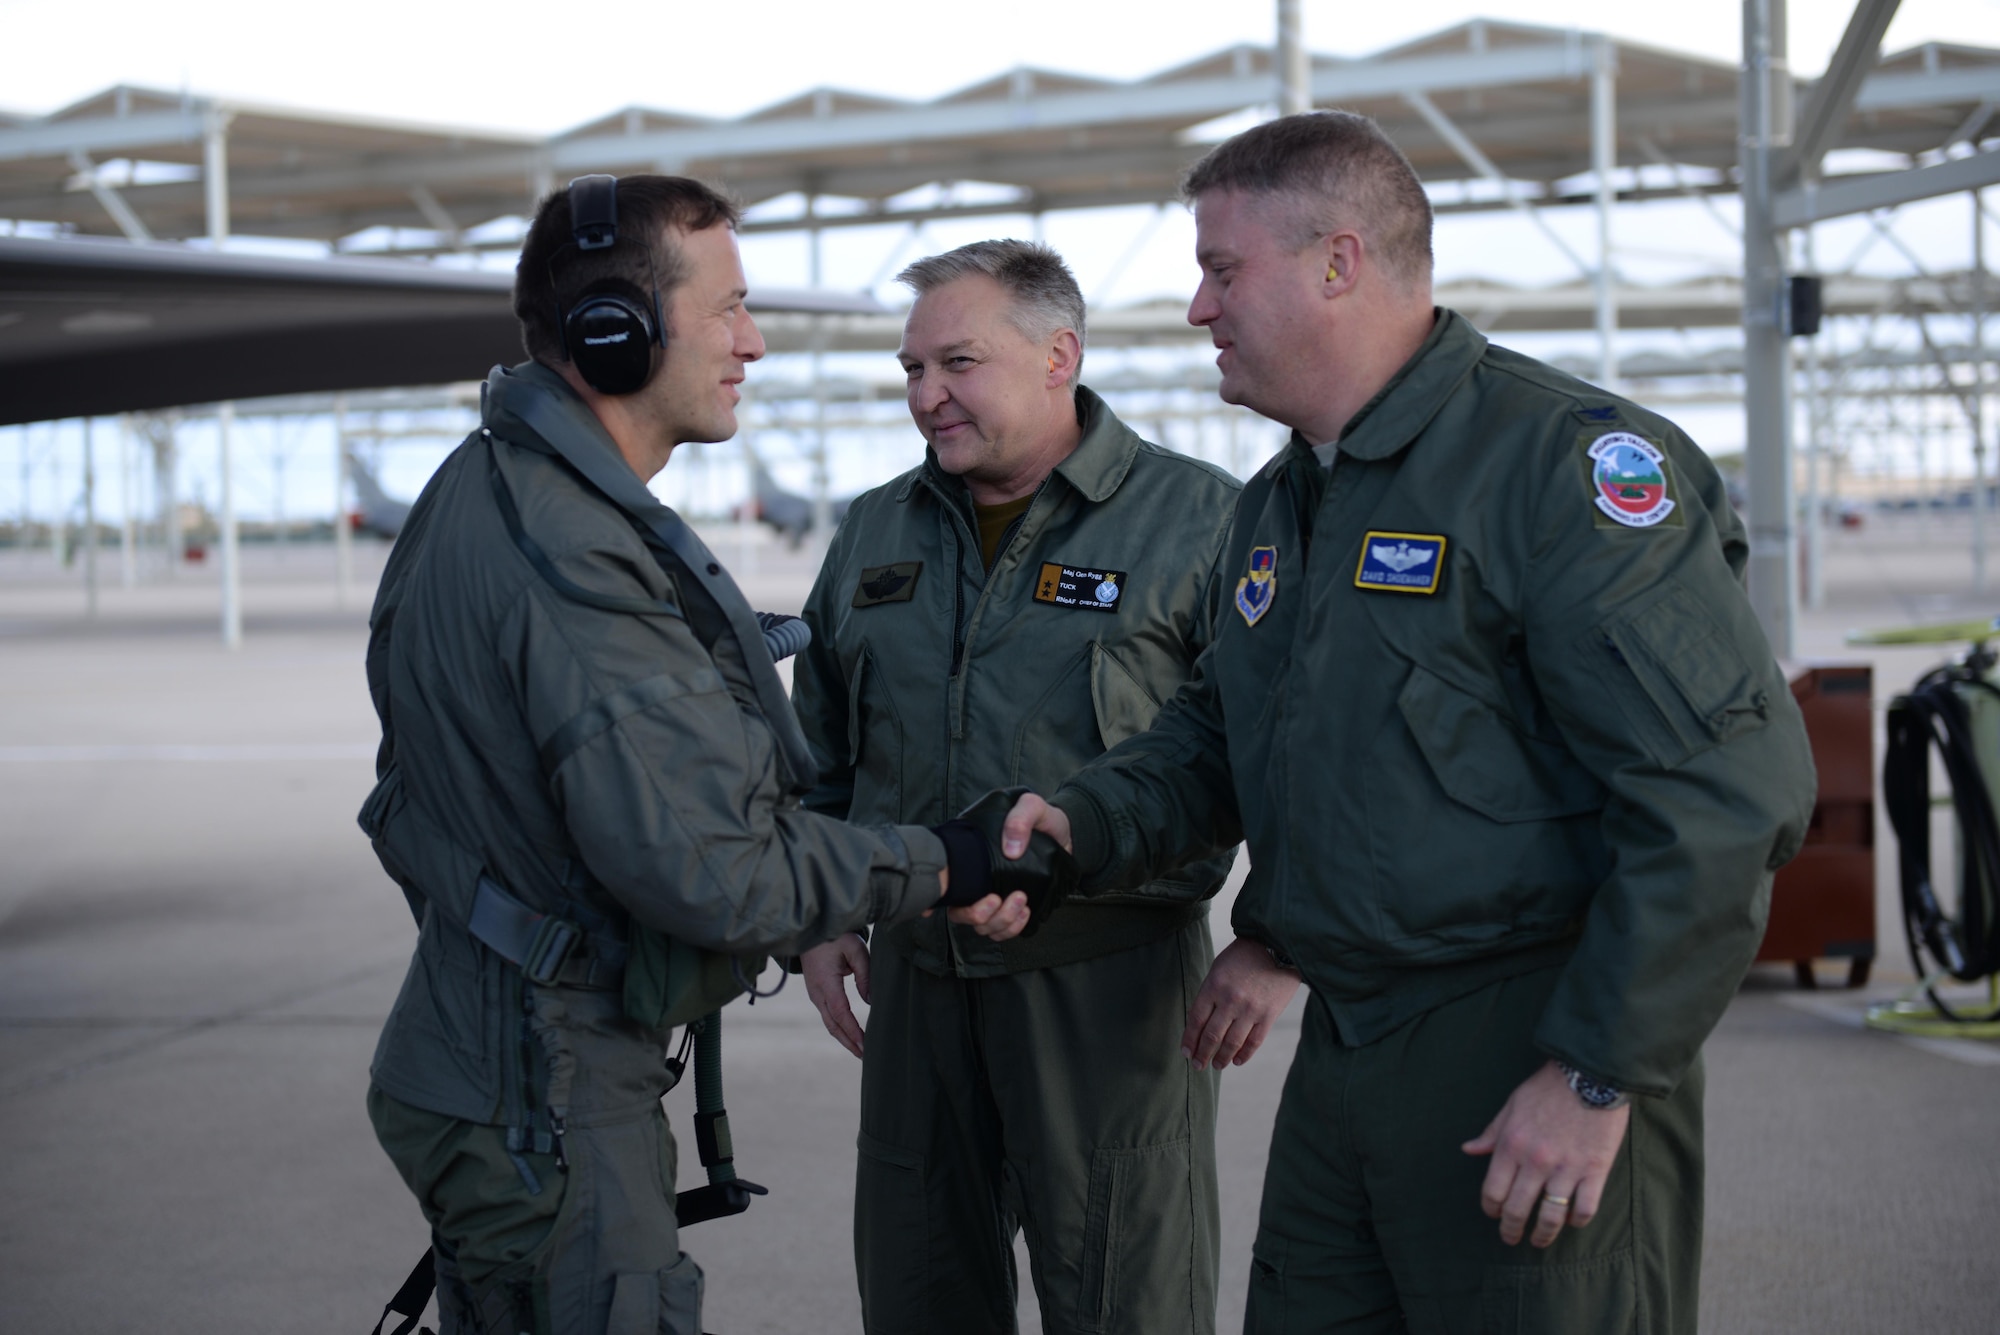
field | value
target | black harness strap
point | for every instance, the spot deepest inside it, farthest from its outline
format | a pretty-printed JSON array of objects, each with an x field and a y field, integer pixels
[{"x": 412, "y": 1298}]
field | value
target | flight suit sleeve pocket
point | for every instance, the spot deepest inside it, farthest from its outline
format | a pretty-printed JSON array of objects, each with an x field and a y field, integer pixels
[
  {"x": 1692, "y": 673},
  {"x": 1484, "y": 762},
  {"x": 1123, "y": 705}
]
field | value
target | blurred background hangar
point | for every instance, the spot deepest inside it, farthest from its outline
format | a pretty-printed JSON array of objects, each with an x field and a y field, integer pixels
[{"x": 169, "y": 251}]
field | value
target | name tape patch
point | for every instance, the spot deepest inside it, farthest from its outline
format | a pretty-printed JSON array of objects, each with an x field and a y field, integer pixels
[
  {"x": 887, "y": 584},
  {"x": 1401, "y": 562},
  {"x": 1079, "y": 586}
]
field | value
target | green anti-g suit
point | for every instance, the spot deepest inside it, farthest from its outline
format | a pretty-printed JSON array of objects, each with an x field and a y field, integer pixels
[
  {"x": 1038, "y": 1080},
  {"x": 566, "y": 710},
  {"x": 1514, "y": 764}
]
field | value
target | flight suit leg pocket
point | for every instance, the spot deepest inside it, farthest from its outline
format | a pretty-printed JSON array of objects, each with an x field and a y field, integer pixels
[
  {"x": 891, "y": 1234},
  {"x": 1595, "y": 1296},
  {"x": 665, "y": 1302},
  {"x": 1138, "y": 1240},
  {"x": 1265, "y": 1314}
]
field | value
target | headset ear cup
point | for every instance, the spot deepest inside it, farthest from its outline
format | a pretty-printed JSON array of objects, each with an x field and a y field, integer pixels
[{"x": 610, "y": 340}]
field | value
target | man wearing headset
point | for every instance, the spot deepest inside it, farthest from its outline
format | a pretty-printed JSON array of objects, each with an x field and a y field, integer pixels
[{"x": 584, "y": 742}]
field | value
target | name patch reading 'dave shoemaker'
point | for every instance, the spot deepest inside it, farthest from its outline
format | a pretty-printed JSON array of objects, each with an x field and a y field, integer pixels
[
  {"x": 1401, "y": 562},
  {"x": 1075, "y": 586}
]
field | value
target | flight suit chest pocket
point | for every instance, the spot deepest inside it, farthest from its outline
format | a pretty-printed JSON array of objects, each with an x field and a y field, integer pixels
[
  {"x": 1483, "y": 762},
  {"x": 1123, "y": 705},
  {"x": 874, "y": 743}
]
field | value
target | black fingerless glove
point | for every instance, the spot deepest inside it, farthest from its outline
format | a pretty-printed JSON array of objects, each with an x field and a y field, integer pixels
[{"x": 1045, "y": 870}]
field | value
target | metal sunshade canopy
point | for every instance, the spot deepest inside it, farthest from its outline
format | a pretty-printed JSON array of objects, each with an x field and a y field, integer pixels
[
  {"x": 94, "y": 327},
  {"x": 1520, "y": 93}
]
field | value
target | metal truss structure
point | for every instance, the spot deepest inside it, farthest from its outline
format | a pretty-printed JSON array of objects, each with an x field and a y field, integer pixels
[{"x": 1495, "y": 116}]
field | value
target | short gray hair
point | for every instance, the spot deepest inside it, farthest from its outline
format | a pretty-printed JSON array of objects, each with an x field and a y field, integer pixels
[
  {"x": 1046, "y": 297},
  {"x": 1328, "y": 170}
]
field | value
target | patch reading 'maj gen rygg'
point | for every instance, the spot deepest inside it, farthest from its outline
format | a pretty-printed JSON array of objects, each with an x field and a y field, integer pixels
[
  {"x": 887, "y": 584},
  {"x": 1401, "y": 562},
  {"x": 1076, "y": 586}
]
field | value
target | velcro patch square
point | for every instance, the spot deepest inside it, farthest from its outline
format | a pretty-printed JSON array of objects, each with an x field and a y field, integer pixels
[{"x": 887, "y": 584}]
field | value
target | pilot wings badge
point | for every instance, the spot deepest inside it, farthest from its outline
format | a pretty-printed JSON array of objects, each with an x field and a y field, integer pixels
[
  {"x": 1401, "y": 562},
  {"x": 1256, "y": 591}
]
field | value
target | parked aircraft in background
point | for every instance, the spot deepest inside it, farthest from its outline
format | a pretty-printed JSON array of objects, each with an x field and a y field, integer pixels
[
  {"x": 787, "y": 512},
  {"x": 375, "y": 510}
]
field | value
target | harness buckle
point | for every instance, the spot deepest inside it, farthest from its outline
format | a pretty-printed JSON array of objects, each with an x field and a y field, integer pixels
[{"x": 554, "y": 941}]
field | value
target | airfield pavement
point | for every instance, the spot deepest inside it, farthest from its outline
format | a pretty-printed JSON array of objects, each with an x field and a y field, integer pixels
[{"x": 197, "y": 948}]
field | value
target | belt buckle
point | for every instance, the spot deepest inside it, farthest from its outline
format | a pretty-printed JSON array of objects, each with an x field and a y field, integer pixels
[{"x": 554, "y": 941}]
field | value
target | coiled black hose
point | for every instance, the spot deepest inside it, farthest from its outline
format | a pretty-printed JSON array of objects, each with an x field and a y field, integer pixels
[{"x": 1934, "y": 713}]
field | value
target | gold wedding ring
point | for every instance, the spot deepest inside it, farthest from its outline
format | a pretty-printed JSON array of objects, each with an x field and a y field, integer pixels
[{"x": 1556, "y": 1200}]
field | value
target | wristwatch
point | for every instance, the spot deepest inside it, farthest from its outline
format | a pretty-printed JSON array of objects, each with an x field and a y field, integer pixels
[{"x": 1595, "y": 1093}]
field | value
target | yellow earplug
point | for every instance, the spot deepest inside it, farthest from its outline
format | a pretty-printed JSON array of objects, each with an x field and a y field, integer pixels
[{"x": 1332, "y": 274}]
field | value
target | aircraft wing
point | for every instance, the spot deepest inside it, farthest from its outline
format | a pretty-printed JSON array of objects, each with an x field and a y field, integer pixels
[{"x": 93, "y": 327}]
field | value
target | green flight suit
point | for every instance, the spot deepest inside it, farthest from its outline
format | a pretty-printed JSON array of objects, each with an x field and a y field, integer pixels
[
  {"x": 1037, "y": 1083},
  {"x": 567, "y": 710},
  {"x": 1494, "y": 715}
]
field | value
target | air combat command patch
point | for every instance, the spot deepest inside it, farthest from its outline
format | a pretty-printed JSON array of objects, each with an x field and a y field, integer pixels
[
  {"x": 1629, "y": 481},
  {"x": 1076, "y": 586},
  {"x": 887, "y": 584},
  {"x": 1257, "y": 590},
  {"x": 1401, "y": 562}
]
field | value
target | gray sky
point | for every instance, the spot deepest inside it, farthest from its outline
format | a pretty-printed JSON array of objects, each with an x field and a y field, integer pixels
[{"x": 506, "y": 64}]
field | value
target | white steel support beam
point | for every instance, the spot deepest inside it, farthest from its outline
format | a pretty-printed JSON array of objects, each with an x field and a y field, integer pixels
[
  {"x": 1773, "y": 571},
  {"x": 1816, "y": 423},
  {"x": 232, "y": 574},
  {"x": 1176, "y": 100},
  {"x": 1294, "y": 61},
  {"x": 1835, "y": 199},
  {"x": 112, "y": 136},
  {"x": 343, "y": 487},
  {"x": 1603, "y": 163},
  {"x": 114, "y": 204},
  {"x": 1981, "y": 510},
  {"x": 128, "y": 490},
  {"x": 1833, "y": 97},
  {"x": 89, "y": 519},
  {"x": 437, "y": 216},
  {"x": 1681, "y": 183},
  {"x": 1469, "y": 153},
  {"x": 215, "y": 176}
]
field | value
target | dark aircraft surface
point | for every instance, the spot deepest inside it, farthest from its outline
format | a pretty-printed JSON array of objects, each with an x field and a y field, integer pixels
[
  {"x": 787, "y": 512},
  {"x": 91, "y": 327},
  {"x": 375, "y": 510}
]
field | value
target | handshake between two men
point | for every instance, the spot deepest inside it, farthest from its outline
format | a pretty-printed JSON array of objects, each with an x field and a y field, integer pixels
[{"x": 1010, "y": 865}]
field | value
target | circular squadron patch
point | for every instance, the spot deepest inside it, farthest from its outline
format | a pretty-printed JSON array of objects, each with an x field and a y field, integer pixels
[{"x": 1630, "y": 475}]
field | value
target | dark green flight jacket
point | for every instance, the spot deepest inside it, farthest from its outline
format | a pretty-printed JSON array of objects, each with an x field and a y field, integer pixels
[
  {"x": 599, "y": 763},
  {"x": 1573, "y": 747},
  {"x": 931, "y": 680}
]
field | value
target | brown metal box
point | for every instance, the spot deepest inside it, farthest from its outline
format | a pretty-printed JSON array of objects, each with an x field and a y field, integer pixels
[{"x": 1823, "y": 904}]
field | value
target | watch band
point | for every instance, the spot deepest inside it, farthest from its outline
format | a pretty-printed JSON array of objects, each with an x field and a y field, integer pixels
[{"x": 1595, "y": 1094}]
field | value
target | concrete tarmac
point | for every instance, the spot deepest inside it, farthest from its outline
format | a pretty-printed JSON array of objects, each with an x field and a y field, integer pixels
[{"x": 197, "y": 949}]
